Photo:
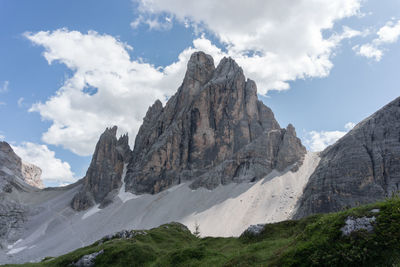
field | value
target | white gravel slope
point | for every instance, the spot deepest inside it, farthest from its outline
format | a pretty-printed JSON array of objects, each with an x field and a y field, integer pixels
[{"x": 56, "y": 229}]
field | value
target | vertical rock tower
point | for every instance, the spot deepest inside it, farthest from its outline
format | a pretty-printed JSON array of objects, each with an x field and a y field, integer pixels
[
  {"x": 103, "y": 178},
  {"x": 213, "y": 131}
]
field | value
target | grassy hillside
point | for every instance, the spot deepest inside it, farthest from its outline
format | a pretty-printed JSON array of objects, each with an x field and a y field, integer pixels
[{"x": 316, "y": 240}]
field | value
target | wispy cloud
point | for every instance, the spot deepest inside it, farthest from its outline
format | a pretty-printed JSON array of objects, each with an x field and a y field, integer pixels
[
  {"x": 387, "y": 34},
  {"x": 319, "y": 140}
]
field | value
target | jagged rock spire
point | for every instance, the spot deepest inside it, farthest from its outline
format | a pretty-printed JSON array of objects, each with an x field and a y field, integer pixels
[{"x": 103, "y": 177}]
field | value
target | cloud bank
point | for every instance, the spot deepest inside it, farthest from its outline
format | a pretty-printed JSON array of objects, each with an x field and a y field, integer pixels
[{"x": 274, "y": 41}]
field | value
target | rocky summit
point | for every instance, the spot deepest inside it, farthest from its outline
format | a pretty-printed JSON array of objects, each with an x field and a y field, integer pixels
[
  {"x": 362, "y": 167},
  {"x": 103, "y": 178},
  {"x": 213, "y": 131}
]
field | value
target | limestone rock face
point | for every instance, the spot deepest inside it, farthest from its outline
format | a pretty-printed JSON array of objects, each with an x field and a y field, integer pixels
[
  {"x": 32, "y": 174},
  {"x": 15, "y": 176},
  {"x": 11, "y": 164},
  {"x": 213, "y": 131},
  {"x": 361, "y": 167},
  {"x": 103, "y": 177},
  {"x": 12, "y": 218}
]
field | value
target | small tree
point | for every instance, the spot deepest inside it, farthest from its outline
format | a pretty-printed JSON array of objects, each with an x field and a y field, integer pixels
[{"x": 196, "y": 229}]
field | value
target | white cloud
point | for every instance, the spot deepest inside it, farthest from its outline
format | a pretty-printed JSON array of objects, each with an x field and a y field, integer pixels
[
  {"x": 318, "y": 141},
  {"x": 275, "y": 41},
  {"x": 369, "y": 51},
  {"x": 53, "y": 169},
  {"x": 2, "y": 137},
  {"x": 387, "y": 34},
  {"x": 4, "y": 87},
  {"x": 154, "y": 23},
  {"x": 108, "y": 88},
  {"x": 125, "y": 88}
]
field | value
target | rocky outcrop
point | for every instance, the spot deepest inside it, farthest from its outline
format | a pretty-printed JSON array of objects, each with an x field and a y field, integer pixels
[
  {"x": 12, "y": 165},
  {"x": 88, "y": 260},
  {"x": 103, "y": 178},
  {"x": 213, "y": 131},
  {"x": 356, "y": 224},
  {"x": 254, "y": 230},
  {"x": 362, "y": 167},
  {"x": 32, "y": 175}
]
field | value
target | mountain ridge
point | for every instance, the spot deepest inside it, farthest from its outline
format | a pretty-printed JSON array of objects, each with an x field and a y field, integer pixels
[{"x": 361, "y": 167}]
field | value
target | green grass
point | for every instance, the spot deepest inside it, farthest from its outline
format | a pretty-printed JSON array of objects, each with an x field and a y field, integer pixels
[{"x": 313, "y": 241}]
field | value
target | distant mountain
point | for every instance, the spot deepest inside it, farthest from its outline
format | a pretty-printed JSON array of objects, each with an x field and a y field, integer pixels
[
  {"x": 12, "y": 165},
  {"x": 362, "y": 167},
  {"x": 15, "y": 176}
]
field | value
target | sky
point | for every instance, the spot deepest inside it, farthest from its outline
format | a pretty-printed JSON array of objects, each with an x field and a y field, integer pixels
[{"x": 69, "y": 69}]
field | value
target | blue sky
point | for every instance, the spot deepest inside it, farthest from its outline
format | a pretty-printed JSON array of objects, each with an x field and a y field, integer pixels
[{"x": 68, "y": 69}]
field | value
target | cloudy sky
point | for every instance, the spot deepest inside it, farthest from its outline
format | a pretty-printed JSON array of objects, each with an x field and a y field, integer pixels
[{"x": 68, "y": 69}]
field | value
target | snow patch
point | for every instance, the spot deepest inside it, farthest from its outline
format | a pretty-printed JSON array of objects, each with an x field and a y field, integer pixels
[
  {"x": 122, "y": 194},
  {"x": 13, "y": 245},
  {"x": 15, "y": 250}
]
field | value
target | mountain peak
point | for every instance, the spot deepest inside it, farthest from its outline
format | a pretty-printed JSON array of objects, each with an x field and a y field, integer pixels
[
  {"x": 213, "y": 131},
  {"x": 111, "y": 131},
  {"x": 228, "y": 67},
  {"x": 200, "y": 69}
]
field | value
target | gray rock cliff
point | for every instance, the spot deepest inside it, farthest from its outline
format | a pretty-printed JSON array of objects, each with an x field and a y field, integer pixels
[
  {"x": 362, "y": 167},
  {"x": 103, "y": 177},
  {"x": 15, "y": 176},
  {"x": 213, "y": 131},
  {"x": 12, "y": 164}
]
